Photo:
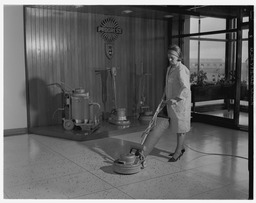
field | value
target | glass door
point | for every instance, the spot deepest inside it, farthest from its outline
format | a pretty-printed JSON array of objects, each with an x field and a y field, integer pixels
[
  {"x": 213, "y": 66},
  {"x": 210, "y": 89}
]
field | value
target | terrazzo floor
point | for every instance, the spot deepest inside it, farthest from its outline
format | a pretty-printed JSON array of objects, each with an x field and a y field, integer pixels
[{"x": 41, "y": 167}]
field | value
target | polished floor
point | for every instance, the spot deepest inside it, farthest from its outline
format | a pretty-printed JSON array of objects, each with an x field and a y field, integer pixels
[
  {"x": 42, "y": 167},
  {"x": 243, "y": 117}
]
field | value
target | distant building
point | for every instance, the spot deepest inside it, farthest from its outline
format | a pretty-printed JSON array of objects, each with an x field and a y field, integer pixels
[{"x": 215, "y": 69}]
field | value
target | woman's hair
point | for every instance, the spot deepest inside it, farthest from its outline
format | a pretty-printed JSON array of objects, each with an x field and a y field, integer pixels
[{"x": 175, "y": 48}]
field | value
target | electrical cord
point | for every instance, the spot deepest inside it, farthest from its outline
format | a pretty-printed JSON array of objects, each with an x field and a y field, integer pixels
[
  {"x": 219, "y": 154},
  {"x": 152, "y": 123}
]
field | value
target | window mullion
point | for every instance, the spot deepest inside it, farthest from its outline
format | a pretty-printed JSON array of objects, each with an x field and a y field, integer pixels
[{"x": 198, "y": 58}]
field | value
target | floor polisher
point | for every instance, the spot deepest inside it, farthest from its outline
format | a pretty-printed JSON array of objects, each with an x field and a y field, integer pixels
[
  {"x": 144, "y": 112},
  {"x": 134, "y": 161},
  {"x": 118, "y": 115}
]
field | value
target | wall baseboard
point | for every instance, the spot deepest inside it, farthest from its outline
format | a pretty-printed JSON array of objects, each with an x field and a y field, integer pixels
[{"x": 16, "y": 131}]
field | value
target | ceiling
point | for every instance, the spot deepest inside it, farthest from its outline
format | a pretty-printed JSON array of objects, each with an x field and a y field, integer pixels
[{"x": 156, "y": 11}]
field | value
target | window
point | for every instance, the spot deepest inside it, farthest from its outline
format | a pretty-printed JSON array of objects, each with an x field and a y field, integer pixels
[
  {"x": 207, "y": 50},
  {"x": 208, "y": 54}
]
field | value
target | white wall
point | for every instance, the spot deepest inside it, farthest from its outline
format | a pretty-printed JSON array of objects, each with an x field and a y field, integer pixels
[{"x": 15, "y": 111}]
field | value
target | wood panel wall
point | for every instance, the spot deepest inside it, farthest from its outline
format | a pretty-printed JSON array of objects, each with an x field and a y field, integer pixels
[{"x": 64, "y": 46}]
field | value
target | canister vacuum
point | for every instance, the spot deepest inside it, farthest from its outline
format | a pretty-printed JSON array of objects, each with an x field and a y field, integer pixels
[{"x": 78, "y": 110}]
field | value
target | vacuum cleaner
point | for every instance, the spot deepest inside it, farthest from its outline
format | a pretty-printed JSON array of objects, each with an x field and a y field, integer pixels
[
  {"x": 78, "y": 110},
  {"x": 134, "y": 161}
]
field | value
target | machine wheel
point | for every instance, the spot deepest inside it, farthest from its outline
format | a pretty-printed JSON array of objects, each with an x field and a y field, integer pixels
[{"x": 68, "y": 124}]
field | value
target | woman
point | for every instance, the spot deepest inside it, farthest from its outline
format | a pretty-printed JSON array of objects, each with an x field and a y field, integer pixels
[
  {"x": 178, "y": 99},
  {"x": 178, "y": 102}
]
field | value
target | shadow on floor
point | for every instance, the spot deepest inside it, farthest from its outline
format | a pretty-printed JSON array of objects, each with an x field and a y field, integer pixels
[{"x": 110, "y": 149}]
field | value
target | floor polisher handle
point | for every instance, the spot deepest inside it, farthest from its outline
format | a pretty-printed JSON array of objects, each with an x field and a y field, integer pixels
[{"x": 152, "y": 122}]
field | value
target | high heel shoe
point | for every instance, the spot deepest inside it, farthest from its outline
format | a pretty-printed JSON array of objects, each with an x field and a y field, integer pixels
[
  {"x": 172, "y": 153},
  {"x": 174, "y": 160}
]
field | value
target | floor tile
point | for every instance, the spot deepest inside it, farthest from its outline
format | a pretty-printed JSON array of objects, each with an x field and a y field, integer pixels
[
  {"x": 224, "y": 193},
  {"x": 35, "y": 190},
  {"x": 111, "y": 147},
  {"x": 107, "y": 194},
  {"x": 69, "y": 186},
  {"x": 232, "y": 171},
  {"x": 191, "y": 159},
  {"x": 175, "y": 186},
  {"x": 28, "y": 152},
  {"x": 35, "y": 172},
  {"x": 132, "y": 137},
  {"x": 104, "y": 170},
  {"x": 62, "y": 146}
]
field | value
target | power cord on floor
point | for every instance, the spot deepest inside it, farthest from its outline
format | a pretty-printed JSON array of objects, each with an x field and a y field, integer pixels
[{"x": 241, "y": 157}]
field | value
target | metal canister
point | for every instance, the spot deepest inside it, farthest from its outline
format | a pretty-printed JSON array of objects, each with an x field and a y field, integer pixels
[
  {"x": 121, "y": 114},
  {"x": 80, "y": 106}
]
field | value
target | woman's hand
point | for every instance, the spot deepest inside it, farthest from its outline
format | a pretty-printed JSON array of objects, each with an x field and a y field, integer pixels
[{"x": 170, "y": 102}]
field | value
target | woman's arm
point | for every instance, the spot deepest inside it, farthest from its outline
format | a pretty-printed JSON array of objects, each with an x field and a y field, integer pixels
[{"x": 184, "y": 91}]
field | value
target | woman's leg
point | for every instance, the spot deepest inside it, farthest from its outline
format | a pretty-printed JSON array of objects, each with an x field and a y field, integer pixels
[{"x": 180, "y": 144}]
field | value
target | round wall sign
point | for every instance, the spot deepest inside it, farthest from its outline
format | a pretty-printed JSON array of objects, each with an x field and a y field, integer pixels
[{"x": 109, "y": 29}]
